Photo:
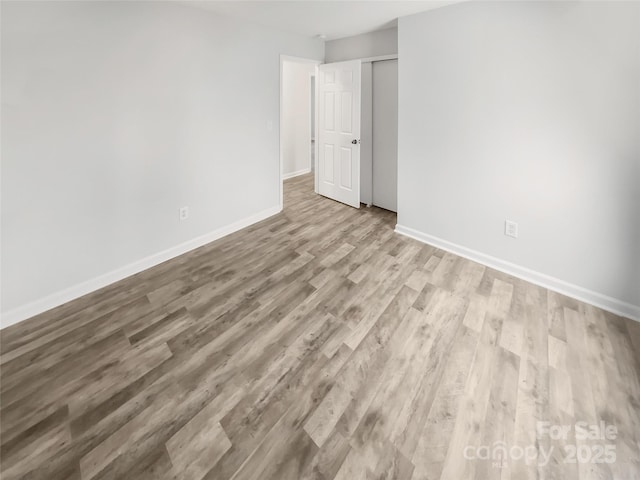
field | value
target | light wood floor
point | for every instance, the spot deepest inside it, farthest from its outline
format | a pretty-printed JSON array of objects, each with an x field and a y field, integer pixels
[{"x": 316, "y": 344}]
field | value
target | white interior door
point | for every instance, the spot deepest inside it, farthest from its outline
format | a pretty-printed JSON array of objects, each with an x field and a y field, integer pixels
[{"x": 339, "y": 131}]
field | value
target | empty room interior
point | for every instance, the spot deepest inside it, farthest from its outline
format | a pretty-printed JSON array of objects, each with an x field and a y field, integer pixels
[{"x": 330, "y": 240}]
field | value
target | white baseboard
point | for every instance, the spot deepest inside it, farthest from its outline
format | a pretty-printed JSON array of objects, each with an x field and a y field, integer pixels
[
  {"x": 295, "y": 174},
  {"x": 34, "y": 308},
  {"x": 605, "y": 302}
]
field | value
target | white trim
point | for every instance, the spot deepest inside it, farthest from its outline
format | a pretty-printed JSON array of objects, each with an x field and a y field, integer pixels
[
  {"x": 295, "y": 174},
  {"x": 379, "y": 58},
  {"x": 34, "y": 308},
  {"x": 600, "y": 300}
]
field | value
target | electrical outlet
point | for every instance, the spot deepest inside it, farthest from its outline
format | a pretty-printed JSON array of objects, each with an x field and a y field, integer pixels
[
  {"x": 511, "y": 229},
  {"x": 184, "y": 213}
]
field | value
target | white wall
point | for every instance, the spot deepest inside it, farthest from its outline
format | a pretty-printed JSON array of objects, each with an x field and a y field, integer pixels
[
  {"x": 114, "y": 115},
  {"x": 296, "y": 117},
  {"x": 373, "y": 44},
  {"x": 528, "y": 111}
]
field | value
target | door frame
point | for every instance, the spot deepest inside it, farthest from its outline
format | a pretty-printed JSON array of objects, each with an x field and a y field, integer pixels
[
  {"x": 293, "y": 59},
  {"x": 368, "y": 147},
  {"x": 376, "y": 120}
]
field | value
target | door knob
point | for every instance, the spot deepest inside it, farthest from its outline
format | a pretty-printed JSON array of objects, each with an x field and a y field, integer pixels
[{"x": 355, "y": 142}]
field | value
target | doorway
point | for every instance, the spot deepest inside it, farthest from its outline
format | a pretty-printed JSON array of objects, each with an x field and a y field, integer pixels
[
  {"x": 358, "y": 132},
  {"x": 377, "y": 136},
  {"x": 297, "y": 116},
  {"x": 379, "y": 152}
]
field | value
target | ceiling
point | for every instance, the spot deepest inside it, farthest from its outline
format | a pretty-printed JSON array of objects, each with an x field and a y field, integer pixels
[{"x": 335, "y": 19}]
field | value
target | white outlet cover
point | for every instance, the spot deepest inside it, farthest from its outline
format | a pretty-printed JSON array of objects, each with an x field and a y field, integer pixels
[
  {"x": 511, "y": 228},
  {"x": 184, "y": 213}
]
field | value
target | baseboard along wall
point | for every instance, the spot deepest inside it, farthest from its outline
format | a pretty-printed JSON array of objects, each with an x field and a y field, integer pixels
[
  {"x": 54, "y": 300},
  {"x": 600, "y": 300}
]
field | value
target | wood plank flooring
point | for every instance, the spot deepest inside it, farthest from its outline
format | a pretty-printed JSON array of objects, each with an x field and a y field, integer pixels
[{"x": 318, "y": 344}]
